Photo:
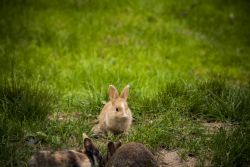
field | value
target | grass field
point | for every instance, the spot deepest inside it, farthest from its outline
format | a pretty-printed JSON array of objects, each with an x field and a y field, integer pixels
[{"x": 187, "y": 63}]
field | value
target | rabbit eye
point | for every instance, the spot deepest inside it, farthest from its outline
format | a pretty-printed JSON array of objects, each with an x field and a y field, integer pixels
[{"x": 116, "y": 109}]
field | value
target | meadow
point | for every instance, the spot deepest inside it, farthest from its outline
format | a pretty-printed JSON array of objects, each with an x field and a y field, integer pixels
[{"x": 187, "y": 63}]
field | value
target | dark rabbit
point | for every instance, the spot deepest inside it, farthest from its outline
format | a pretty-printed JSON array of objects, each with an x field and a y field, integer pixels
[{"x": 129, "y": 155}]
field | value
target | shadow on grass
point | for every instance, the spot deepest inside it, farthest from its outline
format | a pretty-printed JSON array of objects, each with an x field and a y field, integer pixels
[
  {"x": 224, "y": 25},
  {"x": 231, "y": 149},
  {"x": 23, "y": 106},
  {"x": 22, "y": 101}
]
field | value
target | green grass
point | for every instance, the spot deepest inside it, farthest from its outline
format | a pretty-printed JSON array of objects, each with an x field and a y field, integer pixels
[
  {"x": 231, "y": 149},
  {"x": 186, "y": 61}
]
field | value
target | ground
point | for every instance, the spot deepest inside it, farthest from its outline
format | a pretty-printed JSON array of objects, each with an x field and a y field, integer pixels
[{"x": 187, "y": 63}]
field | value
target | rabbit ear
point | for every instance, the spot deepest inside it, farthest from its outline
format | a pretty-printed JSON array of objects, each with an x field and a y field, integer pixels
[
  {"x": 113, "y": 93},
  {"x": 125, "y": 92},
  {"x": 117, "y": 145},
  {"x": 88, "y": 145},
  {"x": 111, "y": 149}
]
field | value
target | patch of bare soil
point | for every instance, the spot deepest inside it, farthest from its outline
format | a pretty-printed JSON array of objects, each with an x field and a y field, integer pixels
[
  {"x": 64, "y": 116},
  {"x": 214, "y": 127},
  {"x": 71, "y": 116},
  {"x": 170, "y": 158}
]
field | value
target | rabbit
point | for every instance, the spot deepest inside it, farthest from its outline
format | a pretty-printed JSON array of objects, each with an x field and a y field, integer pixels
[
  {"x": 115, "y": 117},
  {"x": 128, "y": 155},
  {"x": 113, "y": 147},
  {"x": 68, "y": 158}
]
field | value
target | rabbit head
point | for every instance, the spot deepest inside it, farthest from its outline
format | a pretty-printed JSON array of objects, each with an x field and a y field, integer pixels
[
  {"x": 119, "y": 106},
  {"x": 130, "y": 155},
  {"x": 91, "y": 151}
]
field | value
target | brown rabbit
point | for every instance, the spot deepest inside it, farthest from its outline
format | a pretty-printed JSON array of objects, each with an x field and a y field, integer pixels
[
  {"x": 129, "y": 155},
  {"x": 68, "y": 158},
  {"x": 115, "y": 116}
]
